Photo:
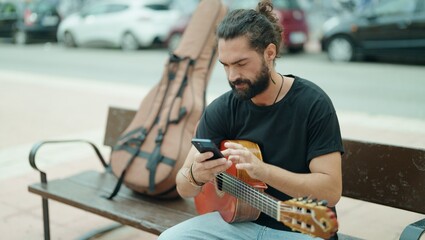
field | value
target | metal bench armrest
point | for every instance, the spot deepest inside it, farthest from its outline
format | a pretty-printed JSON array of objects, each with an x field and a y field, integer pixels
[{"x": 38, "y": 145}]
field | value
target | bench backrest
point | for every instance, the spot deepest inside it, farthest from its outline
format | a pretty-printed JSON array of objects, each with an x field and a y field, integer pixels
[
  {"x": 117, "y": 121},
  {"x": 388, "y": 175}
]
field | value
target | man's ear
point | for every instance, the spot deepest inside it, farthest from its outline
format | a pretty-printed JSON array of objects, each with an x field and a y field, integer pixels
[{"x": 270, "y": 53}]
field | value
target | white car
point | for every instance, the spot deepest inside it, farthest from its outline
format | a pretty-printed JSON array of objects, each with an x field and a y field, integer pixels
[{"x": 128, "y": 24}]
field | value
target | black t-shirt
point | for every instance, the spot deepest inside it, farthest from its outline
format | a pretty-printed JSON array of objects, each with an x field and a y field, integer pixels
[{"x": 290, "y": 133}]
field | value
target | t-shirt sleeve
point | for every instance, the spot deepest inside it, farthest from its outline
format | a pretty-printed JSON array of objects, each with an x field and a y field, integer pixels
[
  {"x": 324, "y": 135},
  {"x": 212, "y": 124}
]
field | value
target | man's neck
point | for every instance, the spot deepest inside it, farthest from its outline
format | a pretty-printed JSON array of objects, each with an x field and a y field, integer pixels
[{"x": 272, "y": 93}]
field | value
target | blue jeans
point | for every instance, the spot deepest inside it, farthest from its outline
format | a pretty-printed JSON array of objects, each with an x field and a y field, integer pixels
[{"x": 211, "y": 226}]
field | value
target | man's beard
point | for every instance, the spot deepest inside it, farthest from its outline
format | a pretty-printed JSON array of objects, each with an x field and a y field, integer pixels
[{"x": 254, "y": 88}]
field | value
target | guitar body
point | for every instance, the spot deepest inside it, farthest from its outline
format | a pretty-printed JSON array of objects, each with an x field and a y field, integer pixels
[
  {"x": 232, "y": 209},
  {"x": 224, "y": 195}
]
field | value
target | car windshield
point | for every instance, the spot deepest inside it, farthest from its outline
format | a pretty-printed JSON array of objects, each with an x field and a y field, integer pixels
[{"x": 114, "y": 8}]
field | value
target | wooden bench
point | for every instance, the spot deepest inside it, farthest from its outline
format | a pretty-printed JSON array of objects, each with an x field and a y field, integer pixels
[{"x": 387, "y": 175}]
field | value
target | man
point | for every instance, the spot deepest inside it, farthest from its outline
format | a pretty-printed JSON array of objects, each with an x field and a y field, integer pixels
[{"x": 291, "y": 119}]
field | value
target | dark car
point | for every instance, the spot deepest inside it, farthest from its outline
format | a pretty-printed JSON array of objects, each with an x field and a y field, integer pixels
[
  {"x": 389, "y": 29},
  {"x": 24, "y": 22},
  {"x": 290, "y": 14}
]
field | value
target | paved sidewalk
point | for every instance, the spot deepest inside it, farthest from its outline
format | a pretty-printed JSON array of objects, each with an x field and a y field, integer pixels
[{"x": 36, "y": 107}]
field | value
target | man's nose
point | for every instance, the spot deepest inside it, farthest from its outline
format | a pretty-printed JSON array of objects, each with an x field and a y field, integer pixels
[{"x": 233, "y": 74}]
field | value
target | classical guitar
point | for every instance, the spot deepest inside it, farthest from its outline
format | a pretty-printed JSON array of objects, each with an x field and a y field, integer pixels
[{"x": 238, "y": 197}]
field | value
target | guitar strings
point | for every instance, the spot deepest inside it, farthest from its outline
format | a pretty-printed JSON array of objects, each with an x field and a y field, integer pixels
[
  {"x": 238, "y": 188},
  {"x": 243, "y": 187}
]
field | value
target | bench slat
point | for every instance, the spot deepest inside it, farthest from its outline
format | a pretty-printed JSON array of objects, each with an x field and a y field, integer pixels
[{"x": 86, "y": 191}]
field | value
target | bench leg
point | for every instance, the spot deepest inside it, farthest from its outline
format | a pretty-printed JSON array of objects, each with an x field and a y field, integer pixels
[
  {"x": 413, "y": 231},
  {"x": 46, "y": 222}
]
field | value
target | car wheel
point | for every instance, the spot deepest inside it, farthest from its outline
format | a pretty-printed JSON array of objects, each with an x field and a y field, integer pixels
[
  {"x": 174, "y": 41},
  {"x": 340, "y": 49},
  {"x": 69, "y": 40},
  {"x": 129, "y": 42},
  {"x": 20, "y": 37}
]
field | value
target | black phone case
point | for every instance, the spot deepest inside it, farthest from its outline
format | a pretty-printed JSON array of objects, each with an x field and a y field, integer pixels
[{"x": 206, "y": 145}]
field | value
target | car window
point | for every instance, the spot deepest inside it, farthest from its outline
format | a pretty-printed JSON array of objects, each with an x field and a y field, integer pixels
[
  {"x": 394, "y": 7},
  {"x": 157, "y": 7},
  {"x": 95, "y": 10},
  {"x": 115, "y": 8}
]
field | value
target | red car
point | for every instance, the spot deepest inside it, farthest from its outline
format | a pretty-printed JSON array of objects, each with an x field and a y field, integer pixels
[
  {"x": 292, "y": 17},
  {"x": 294, "y": 22}
]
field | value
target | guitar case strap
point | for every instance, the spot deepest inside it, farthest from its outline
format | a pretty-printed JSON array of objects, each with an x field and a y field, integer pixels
[{"x": 133, "y": 140}]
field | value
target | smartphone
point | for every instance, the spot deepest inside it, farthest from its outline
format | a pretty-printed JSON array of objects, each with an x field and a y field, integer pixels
[{"x": 206, "y": 145}]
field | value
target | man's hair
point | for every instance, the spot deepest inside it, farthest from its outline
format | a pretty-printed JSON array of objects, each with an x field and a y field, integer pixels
[{"x": 260, "y": 26}]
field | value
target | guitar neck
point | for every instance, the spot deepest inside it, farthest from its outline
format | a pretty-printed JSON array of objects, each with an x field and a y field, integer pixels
[{"x": 249, "y": 194}]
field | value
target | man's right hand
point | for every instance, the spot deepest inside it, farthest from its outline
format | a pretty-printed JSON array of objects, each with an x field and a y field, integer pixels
[{"x": 205, "y": 170}]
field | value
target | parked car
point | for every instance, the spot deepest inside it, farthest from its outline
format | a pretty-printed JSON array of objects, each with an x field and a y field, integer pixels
[
  {"x": 391, "y": 28},
  {"x": 289, "y": 12},
  {"x": 128, "y": 24},
  {"x": 24, "y": 22},
  {"x": 294, "y": 22}
]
